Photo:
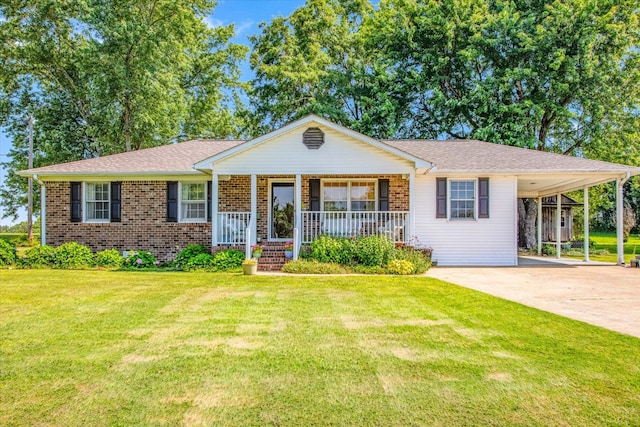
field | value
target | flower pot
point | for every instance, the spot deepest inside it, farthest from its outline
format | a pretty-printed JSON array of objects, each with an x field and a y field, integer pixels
[
  {"x": 288, "y": 254},
  {"x": 256, "y": 254},
  {"x": 249, "y": 269}
]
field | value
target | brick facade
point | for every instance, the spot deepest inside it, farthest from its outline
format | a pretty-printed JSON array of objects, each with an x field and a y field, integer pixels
[{"x": 144, "y": 224}]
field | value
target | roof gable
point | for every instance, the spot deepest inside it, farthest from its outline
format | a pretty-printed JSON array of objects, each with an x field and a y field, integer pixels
[{"x": 305, "y": 123}]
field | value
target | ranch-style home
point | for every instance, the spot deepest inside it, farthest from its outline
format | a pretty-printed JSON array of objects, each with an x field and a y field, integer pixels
[{"x": 309, "y": 178}]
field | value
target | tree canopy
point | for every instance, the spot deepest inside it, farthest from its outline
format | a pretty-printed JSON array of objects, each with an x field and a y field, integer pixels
[{"x": 106, "y": 76}]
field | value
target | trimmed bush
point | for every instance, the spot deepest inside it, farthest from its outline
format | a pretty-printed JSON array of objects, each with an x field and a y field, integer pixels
[
  {"x": 109, "y": 258},
  {"x": 140, "y": 259},
  {"x": 337, "y": 250},
  {"x": 38, "y": 257},
  {"x": 373, "y": 251},
  {"x": 228, "y": 260},
  {"x": 313, "y": 267},
  {"x": 401, "y": 267},
  {"x": 7, "y": 253},
  {"x": 189, "y": 252},
  {"x": 416, "y": 257},
  {"x": 202, "y": 261},
  {"x": 73, "y": 255}
]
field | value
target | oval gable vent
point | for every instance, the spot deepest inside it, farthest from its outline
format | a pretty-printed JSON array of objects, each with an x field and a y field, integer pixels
[{"x": 313, "y": 138}]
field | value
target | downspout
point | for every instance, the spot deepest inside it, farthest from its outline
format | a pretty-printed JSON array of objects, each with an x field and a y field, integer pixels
[
  {"x": 619, "y": 217},
  {"x": 43, "y": 210}
]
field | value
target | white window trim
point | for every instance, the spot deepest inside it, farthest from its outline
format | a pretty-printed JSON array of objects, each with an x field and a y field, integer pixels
[
  {"x": 450, "y": 199},
  {"x": 180, "y": 201},
  {"x": 348, "y": 181},
  {"x": 85, "y": 201}
]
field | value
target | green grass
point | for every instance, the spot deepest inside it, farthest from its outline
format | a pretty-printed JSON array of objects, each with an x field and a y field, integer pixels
[
  {"x": 126, "y": 348},
  {"x": 608, "y": 241}
]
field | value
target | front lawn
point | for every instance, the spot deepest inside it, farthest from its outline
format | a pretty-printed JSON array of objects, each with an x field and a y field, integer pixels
[
  {"x": 134, "y": 348},
  {"x": 608, "y": 241}
]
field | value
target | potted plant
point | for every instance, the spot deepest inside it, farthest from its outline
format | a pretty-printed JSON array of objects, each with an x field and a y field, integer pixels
[
  {"x": 250, "y": 266},
  {"x": 256, "y": 251},
  {"x": 288, "y": 250}
]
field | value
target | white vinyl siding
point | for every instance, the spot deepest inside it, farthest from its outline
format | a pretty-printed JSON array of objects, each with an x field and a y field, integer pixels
[
  {"x": 97, "y": 198},
  {"x": 339, "y": 155},
  {"x": 490, "y": 241},
  {"x": 193, "y": 202}
]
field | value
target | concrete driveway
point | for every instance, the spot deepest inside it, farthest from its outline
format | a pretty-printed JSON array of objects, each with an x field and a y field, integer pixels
[{"x": 607, "y": 296}]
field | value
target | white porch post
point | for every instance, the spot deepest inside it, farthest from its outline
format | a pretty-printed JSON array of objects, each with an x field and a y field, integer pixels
[
  {"x": 298, "y": 214},
  {"x": 558, "y": 225},
  {"x": 412, "y": 207},
  {"x": 43, "y": 214},
  {"x": 539, "y": 224},
  {"x": 214, "y": 209},
  {"x": 254, "y": 210},
  {"x": 619, "y": 220},
  {"x": 586, "y": 224}
]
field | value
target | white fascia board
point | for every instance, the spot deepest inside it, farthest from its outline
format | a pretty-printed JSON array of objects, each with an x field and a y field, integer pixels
[{"x": 127, "y": 176}]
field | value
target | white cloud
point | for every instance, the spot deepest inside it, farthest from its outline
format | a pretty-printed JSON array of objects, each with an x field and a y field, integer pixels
[
  {"x": 243, "y": 26},
  {"x": 212, "y": 22}
]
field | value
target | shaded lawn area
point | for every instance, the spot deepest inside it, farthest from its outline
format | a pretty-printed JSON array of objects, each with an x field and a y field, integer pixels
[
  {"x": 124, "y": 348},
  {"x": 608, "y": 241}
]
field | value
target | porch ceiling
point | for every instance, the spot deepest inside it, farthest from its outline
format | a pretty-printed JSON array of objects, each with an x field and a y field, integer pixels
[{"x": 543, "y": 185}]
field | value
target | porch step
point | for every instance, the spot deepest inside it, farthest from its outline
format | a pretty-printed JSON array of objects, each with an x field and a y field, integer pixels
[{"x": 272, "y": 258}]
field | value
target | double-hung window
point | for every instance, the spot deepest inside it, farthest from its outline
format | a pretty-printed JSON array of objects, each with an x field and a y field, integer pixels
[
  {"x": 342, "y": 196},
  {"x": 463, "y": 199},
  {"x": 193, "y": 202},
  {"x": 97, "y": 199}
]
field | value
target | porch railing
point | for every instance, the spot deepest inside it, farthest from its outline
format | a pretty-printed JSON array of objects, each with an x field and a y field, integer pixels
[
  {"x": 391, "y": 224},
  {"x": 232, "y": 228}
]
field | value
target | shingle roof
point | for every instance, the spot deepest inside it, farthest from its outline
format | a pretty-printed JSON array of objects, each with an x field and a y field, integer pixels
[
  {"x": 450, "y": 156},
  {"x": 174, "y": 158},
  {"x": 472, "y": 156}
]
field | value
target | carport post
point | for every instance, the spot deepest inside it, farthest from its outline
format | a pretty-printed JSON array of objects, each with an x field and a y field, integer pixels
[
  {"x": 539, "y": 201},
  {"x": 586, "y": 224},
  {"x": 558, "y": 225},
  {"x": 619, "y": 217}
]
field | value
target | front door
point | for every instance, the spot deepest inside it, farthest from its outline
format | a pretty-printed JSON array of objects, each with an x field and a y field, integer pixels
[{"x": 282, "y": 212}]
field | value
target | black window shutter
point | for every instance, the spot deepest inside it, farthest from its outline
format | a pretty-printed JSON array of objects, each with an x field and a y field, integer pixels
[
  {"x": 172, "y": 201},
  {"x": 483, "y": 197},
  {"x": 383, "y": 195},
  {"x": 76, "y": 202},
  {"x": 116, "y": 201},
  {"x": 314, "y": 195},
  {"x": 209, "y": 205},
  {"x": 441, "y": 197}
]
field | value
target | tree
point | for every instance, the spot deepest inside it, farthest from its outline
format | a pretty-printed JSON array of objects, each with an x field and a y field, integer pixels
[
  {"x": 106, "y": 76},
  {"x": 316, "y": 61}
]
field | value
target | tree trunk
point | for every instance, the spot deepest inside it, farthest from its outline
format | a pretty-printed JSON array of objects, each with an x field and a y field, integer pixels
[{"x": 527, "y": 223}]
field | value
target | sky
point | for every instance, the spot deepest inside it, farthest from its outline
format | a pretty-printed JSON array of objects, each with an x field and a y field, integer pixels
[{"x": 245, "y": 14}]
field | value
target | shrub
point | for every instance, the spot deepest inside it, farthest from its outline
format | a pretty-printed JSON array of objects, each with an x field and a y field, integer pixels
[
  {"x": 363, "y": 269},
  {"x": 421, "y": 263},
  {"x": 373, "y": 251},
  {"x": 401, "y": 267},
  {"x": 73, "y": 255},
  {"x": 38, "y": 257},
  {"x": 313, "y": 267},
  {"x": 109, "y": 258},
  {"x": 140, "y": 259},
  {"x": 338, "y": 250},
  {"x": 189, "y": 252},
  {"x": 228, "y": 260},
  {"x": 7, "y": 253},
  {"x": 201, "y": 261}
]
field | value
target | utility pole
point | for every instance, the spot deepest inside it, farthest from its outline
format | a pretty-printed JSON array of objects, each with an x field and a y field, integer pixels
[{"x": 30, "y": 180}]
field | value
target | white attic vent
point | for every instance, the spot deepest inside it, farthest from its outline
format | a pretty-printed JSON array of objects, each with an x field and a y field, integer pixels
[{"x": 313, "y": 138}]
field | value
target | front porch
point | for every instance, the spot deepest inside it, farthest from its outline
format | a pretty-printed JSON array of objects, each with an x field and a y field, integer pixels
[{"x": 250, "y": 209}]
